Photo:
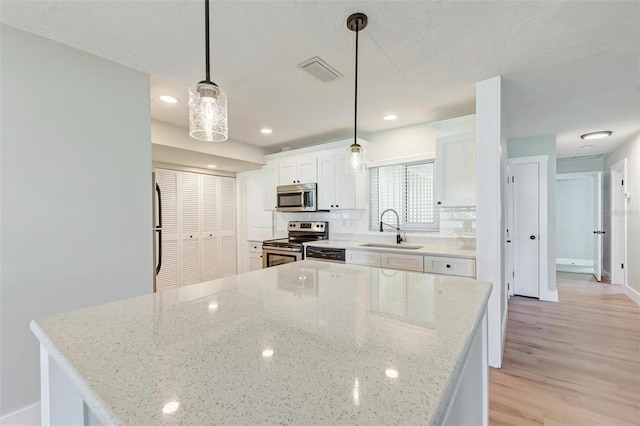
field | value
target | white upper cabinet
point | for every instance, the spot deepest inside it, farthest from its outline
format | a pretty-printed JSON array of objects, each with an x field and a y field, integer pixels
[
  {"x": 455, "y": 184},
  {"x": 298, "y": 170},
  {"x": 338, "y": 189}
]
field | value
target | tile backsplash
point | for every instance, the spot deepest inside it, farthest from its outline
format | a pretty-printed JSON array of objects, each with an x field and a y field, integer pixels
[{"x": 457, "y": 227}]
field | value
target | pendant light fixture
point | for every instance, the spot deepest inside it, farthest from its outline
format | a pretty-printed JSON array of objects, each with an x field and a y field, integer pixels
[
  {"x": 208, "y": 102},
  {"x": 356, "y": 152}
]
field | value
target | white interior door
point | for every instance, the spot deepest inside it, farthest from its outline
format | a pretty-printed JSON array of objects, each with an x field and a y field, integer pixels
[
  {"x": 526, "y": 224},
  {"x": 597, "y": 217}
]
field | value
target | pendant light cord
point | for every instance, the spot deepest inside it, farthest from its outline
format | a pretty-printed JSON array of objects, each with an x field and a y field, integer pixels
[
  {"x": 355, "y": 113},
  {"x": 206, "y": 40}
]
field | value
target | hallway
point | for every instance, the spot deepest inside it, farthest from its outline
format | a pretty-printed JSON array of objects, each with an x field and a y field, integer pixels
[{"x": 576, "y": 362}]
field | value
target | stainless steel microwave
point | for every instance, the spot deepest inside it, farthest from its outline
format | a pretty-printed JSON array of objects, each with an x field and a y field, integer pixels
[{"x": 298, "y": 198}]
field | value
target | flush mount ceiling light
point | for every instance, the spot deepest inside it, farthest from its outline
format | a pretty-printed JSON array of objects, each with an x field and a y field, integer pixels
[
  {"x": 356, "y": 152},
  {"x": 596, "y": 135},
  {"x": 208, "y": 102},
  {"x": 390, "y": 117},
  {"x": 266, "y": 131},
  {"x": 169, "y": 99}
]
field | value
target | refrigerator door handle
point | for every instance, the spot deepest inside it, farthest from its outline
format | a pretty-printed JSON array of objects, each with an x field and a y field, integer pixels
[{"x": 159, "y": 229}]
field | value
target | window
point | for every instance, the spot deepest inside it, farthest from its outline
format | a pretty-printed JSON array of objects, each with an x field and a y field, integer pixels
[{"x": 406, "y": 188}]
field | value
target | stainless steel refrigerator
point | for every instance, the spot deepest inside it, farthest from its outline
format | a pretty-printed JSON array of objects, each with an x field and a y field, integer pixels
[{"x": 156, "y": 230}]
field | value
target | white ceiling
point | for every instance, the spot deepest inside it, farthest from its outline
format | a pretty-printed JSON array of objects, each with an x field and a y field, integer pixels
[{"x": 569, "y": 67}]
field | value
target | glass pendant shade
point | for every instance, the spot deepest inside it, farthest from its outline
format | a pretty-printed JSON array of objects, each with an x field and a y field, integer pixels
[
  {"x": 208, "y": 113},
  {"x": 356, "y": 158}
]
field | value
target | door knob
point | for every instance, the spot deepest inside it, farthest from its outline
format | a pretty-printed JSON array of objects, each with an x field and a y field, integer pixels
[{"x": 533, "y": 237}]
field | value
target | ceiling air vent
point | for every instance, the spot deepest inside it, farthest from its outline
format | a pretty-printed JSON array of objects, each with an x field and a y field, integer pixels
[{"x": 319, "y": 69}]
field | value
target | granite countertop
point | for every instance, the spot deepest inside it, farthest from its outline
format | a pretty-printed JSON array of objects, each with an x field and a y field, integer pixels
[
  {"x": 304, "y": 343},
  {"x": 425, "y": 249}
]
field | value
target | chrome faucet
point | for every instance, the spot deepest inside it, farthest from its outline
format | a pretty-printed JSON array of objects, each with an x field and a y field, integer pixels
[{"x": 399, "y": 238}]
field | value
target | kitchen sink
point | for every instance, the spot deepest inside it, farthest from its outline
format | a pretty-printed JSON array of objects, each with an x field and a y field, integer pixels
[{"x": 391, "y": 246}]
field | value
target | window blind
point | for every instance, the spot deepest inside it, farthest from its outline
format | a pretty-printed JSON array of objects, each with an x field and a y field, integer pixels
[{"x": 406, "y": 188}]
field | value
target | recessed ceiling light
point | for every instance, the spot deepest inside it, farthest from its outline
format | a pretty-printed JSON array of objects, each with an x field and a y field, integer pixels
[
  {"x": 211, "y": 166},
  {"x": 390, "y": 117},
  {"x": 266, "y": 131},
  {"x": 267, "y": 353},
  {"x": 586, "y": 146},
  {"x": 169, "y": 99},
  {"x": 213, "y": 306},
  {"x": 597, "y": 135}
]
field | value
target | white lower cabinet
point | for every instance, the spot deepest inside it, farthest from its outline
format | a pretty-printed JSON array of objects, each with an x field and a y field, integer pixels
[
  {"x": 254, "y": 255},
  {"x": 405, "y": 262},
  {"x": 363, "y": 257},
  {"x": 462, "y": 267},
  {"x": 450, "y": 266}
]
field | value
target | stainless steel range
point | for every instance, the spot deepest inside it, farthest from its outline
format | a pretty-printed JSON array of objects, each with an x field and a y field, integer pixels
[{"x": 287, "y": 250}]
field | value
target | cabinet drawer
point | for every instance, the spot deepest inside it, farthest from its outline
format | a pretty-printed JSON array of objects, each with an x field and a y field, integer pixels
[
  {"x": 450, "y": 266},
  {"x": 254, "y": 246},
  {"x": 406, "y": 262},
  {"x": 361, "y": 257}
]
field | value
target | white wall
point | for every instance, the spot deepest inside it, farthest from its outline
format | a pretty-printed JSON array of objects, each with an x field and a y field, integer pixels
[
  {"x": 574, "y": 219},
  {"x": 491, "y": 151},
  {"x": 631, "y": 151},
  {"x": 75, "y": 193},
  {"x": 579, "y": 165},
  {"x": 534, "y": 146}
]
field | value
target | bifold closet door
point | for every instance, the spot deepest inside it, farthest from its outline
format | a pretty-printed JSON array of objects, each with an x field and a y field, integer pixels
[
  {"x": 167, "y": 180},
  {"x": 210, "y": 228},
  {"x": 190, "y": 259}
]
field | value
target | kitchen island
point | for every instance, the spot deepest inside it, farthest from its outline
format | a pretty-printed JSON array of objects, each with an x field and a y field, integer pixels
[{"x": 303, "y": 343}]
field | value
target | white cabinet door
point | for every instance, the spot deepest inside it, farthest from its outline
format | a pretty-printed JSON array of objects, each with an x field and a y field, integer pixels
[
  {"x": 363, "y": 257},
  {"x": 405, "y": 262},
  {"x": 190, "y": 215},
  {"x": 298, "y": 170},
  {"x": 450, "y": 266},
  {"x": 326, "y": 182},
  {"x": 288, "y": 172},
  {"x": 336, "y": 187},
  {"x": 307, "y": 170},
  {"x": 456, "y": 170},
  {"x": 271, "y": 182},
  {"x": 255, "y": 261}
]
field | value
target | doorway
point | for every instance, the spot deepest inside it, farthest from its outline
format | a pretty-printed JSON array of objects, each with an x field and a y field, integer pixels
[
  {"x": 579, "y": 230},
  {"x": 618, "y": 219},
  {"x": 527, "y": 229}
]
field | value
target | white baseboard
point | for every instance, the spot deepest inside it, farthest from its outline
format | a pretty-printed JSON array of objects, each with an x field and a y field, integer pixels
[
  {"x": 606, "y": 275},
  {"x": 27, "y": 416},
  {"x": 549, "y": 295},
  {"x": 505, "y": 318},
  {"x": 574, "y": 262},
  {"x": 632, "y": 294}
]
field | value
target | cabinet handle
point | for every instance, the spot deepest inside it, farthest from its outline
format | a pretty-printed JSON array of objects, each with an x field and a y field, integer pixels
[
  {"x": 190, "y": 236},
  {"x": 337, "y": 205},
  {"x": 211, "y": 235},
  {"x": 331, "y": 205},
  {"x": 448, "y": 266},
  {"x": 439, "y": 202}
]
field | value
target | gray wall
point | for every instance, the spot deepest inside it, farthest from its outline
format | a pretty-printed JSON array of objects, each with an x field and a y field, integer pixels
[
  {"x": 543, "y": 145},
  {"x": 75, "y": 193},
  {"x": 580, "y": 165},
  {"x": 631, "y": 151}
]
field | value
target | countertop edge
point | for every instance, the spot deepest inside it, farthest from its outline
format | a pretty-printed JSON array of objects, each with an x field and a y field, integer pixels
[
  {"x": 93, "y": 401},
  {"x": 447, "y": 393},
  {"x": 351, "y": 246}
]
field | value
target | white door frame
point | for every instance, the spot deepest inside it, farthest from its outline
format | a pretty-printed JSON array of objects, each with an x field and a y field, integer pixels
[
  {"x": 597, "y": 177},
  {"x": 618, "y": 222},
  {"x": 543, "y": 208}
]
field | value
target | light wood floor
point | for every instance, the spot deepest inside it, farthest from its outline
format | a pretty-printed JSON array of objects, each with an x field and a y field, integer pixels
[{"x": 576, "y": 362}]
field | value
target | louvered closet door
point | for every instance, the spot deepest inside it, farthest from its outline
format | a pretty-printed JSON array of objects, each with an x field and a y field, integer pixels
[
  {"x": 190, "y": 264},
  {"x": 210, "y": 228},
  {"x": 227, "y": 226},
  {"x": 168, "y": 182}
]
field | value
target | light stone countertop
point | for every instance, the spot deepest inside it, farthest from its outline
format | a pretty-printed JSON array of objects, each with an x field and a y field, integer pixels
[
  {"x": 303, "y": 343},
  {"x": 425, "y": 249}
]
